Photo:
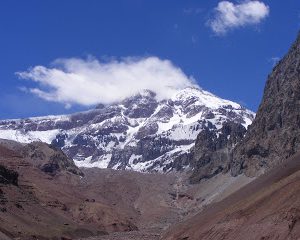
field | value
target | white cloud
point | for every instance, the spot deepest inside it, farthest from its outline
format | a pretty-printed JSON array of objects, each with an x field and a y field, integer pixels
[
  {"x": 88, "y": 82},
  {"x": 229, "y": 15}
]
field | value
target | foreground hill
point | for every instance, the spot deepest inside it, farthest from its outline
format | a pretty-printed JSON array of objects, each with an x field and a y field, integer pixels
[
  {"x": 40, "y": 199},
  {"x": 267, "y": 208}
]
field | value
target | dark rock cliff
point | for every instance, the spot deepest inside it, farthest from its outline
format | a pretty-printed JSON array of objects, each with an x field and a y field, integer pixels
[
  {"x": 49, "y": 159},
  {"x": 213, "y": 150},
  {"x": 275, "y": 132},
  {"x": 8, "y": 176}
]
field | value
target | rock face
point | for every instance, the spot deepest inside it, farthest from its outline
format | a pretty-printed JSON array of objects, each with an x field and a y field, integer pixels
[
  {"x": 46, "y": 157},
  {"x": 275, "y": 132},
  {"x": 213, "y": 150},
  {"x": 8, "y": 176},
  {"x": 140, "y": 133},
  {"x": 49, "y": 159}
]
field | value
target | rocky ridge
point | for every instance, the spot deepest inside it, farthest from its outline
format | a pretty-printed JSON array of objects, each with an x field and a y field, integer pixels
[{"x": 266, "y": 208}]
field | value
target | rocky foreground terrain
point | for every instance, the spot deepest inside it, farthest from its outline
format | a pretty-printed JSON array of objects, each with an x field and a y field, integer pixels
[
  {"x": 267, "y": 208},
  {"x": 41, "y": 199}
]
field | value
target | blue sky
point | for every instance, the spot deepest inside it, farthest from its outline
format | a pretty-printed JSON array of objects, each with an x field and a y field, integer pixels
[{"x": 233, "y": 64}]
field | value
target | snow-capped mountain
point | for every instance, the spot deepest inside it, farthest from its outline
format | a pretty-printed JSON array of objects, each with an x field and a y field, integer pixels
[{"x": 140, "y": 133}]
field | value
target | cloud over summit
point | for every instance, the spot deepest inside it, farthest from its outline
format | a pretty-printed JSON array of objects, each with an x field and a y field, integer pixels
[
  {"x": 230, "y": 16},
  {"x": 91, "y": 81}
]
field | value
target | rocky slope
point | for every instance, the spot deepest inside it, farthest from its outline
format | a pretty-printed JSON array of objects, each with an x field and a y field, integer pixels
[
  {"x": 267, "y": 208},
  {"x": 275, "y": 132},
  {"x": 39, "y": 204},
  {"x": 139, "y": 133}
]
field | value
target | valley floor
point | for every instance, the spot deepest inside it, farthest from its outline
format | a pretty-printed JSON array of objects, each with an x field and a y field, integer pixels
[
  {"x": 169, "y": 199},
  {"x": 134, "y": 235}
]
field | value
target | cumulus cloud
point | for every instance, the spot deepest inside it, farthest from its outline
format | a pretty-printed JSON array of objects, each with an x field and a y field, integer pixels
[
  {"x": 91, "y": 81},
  {"x": 229, "y": 15}
]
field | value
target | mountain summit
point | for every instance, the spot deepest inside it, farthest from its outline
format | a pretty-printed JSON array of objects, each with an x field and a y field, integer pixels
[{"x": 140, "y": 133}]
